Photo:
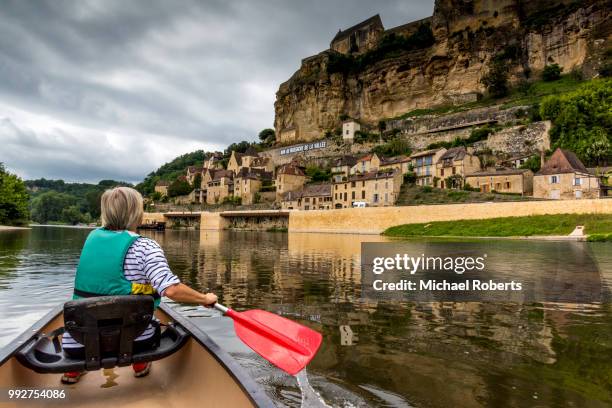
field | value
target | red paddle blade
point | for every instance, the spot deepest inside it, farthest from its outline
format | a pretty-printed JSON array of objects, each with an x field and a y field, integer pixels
[{"x": 283, "y": 342}]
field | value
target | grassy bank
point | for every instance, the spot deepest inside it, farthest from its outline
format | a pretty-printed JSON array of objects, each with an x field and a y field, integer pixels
[
  {"x": 558, "y": 224},
  {"x": 415, "y": 195}
]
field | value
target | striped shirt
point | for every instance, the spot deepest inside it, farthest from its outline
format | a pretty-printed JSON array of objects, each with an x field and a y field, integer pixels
[{"x": 145, "y": 263}]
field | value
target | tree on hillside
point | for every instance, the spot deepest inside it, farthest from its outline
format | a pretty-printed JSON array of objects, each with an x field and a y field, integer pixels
[
  {"x": 13, "y": 199},
  {"x": 179, "y": 187},
  {"x": 171, "y": 170},
  {"x": 582, "y": 121},
  {"x": 49, "y": 206},
  {"x": 267, "y": 136}
]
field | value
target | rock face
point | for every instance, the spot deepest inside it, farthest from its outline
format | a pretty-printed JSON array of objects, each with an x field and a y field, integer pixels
[{"x": 469, "y": 35}]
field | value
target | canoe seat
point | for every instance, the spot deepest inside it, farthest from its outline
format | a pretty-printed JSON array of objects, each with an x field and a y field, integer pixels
[{"x": 107, "y": 327}]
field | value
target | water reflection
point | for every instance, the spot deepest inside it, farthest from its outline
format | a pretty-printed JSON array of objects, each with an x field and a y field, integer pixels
[{"x": 375, "y": 353}]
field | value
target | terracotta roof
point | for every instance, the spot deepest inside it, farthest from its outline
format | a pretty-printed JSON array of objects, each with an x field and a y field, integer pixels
[
  {"x": 393, "y": 160},
  {"x": 345, "y": 33},
  {"x": 367, "y": 157},
  {"x": 562, "y": 161},
  {"x": 430, "y": 152},
  {"x": 219, "y": 174},
  {"x": 454, "y": 153},
  {"x": 310, "y": 190},
  {"x": 317, "y": 190},
  {"x": 290, "y": 169},
  {"x": 255, "y": 174},
  {"x": 498, "y": 172},
  {"x": 372, "y": 175}
]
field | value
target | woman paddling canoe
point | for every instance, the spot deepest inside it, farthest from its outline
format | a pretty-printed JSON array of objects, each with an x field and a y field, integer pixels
[{"x": 117, "y": 261}]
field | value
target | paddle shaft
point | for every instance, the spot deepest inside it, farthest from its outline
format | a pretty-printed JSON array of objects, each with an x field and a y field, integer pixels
[{"x": 272, "y": 333}]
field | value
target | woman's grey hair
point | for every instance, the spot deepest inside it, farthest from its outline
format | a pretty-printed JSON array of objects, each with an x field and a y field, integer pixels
[{"x": 122, "y": 208}]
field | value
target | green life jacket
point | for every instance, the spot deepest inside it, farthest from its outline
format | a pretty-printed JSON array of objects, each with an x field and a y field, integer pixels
[{"x": 100, "y": 270}]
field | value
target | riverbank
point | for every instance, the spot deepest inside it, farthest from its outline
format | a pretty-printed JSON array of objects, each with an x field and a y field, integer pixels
[
  {"x": 559, "y": 225},
  {"x": 11, "y": 228}
]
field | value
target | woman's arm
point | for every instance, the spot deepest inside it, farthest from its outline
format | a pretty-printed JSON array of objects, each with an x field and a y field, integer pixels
[{"x": 182, "y": 293}]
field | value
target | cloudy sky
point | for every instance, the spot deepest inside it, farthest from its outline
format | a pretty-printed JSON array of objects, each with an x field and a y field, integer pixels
[{"x": 112, "y": 89}]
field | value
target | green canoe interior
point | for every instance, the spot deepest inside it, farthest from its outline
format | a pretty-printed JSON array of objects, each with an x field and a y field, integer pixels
[{"x": 188, "y": 378}]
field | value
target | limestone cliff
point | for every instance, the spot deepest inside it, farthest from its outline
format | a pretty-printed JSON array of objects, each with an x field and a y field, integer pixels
[{"x": 467, "y": 36}]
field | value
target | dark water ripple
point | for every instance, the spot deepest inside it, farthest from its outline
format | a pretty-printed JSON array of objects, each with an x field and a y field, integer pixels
[{"x": 387, "y": 354}]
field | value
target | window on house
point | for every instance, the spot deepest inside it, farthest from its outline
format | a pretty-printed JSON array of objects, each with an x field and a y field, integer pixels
[
  {"x": 386, "y": 184},
  {"x": 336, "y": 187},
  {"x": 353, "y": 195},
  {"x": 375, "y": 186},
  {"x": 362, "y": 194},
  {"x": 578, "y": 193},
  {"x": 454, "y": 170},
  {"x": 347, "y": 131},
  {"x": 345, "y": 186},
  {"x": 345, "y": 196},
  {"x": 507, "y": 185},
  {"x": 442, "y": 172},
  {"x": 577, "y": 181},
  {"x": 352, "y": 184},
  {"x": 554, "y": 179},
  {"x": 363, "y": 184},
  {"x": 386, "y": 197},
  {"x": 307, "y": 199},
  {"x": 375, "y": 198}
]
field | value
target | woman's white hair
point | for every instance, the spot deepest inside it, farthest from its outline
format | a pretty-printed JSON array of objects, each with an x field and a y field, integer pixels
[{"x": 122, "y": 208}]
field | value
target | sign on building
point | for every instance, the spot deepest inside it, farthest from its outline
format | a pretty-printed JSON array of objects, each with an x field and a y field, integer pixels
[{"x": 303, "y": 148}]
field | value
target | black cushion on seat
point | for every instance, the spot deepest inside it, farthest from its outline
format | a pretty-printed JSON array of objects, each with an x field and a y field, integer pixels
[{"x": 107, "y": 327}]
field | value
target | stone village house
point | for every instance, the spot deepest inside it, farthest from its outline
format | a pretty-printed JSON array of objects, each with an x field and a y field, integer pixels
[
  {"x": 220, "y": 185},
  {"x": 502, "y": 180},
  {"x": 424, "y": 165},
  {"x": 365, "y": 164},
  {"x": 311, "y": 197},
  {"x": 564, "y": 177},
  {"x": 454, "y": 165},
  {"x": 376, "y": 188},
  {"x": 289, "y": 177},
  {"x": 162, "y": 187},
  {"x": 341, "y": 168},
  {"x": 249, "y": 181}
]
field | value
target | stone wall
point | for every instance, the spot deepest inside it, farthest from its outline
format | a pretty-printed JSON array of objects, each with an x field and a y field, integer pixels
[
  {"x": 375, "y": 220},
  {"x": 518, "y": 140}
]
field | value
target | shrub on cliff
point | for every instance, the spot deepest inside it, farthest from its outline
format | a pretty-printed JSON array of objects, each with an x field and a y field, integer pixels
[
  {"x": 551, "y": 72},
  {"x": 496, "y": 80},
  {"x": 582, "y": 121}
]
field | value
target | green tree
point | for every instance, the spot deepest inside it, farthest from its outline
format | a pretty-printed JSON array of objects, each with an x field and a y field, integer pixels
[
  {"x": 13, "y": 199},
  {"x": 267, "y": 136},
  {"x": 496, "y": 80},
  {"x": 179, "y": 187},
  {"x": 49, "y": 206},
  {"x": 317, "y": 174},
  {"x": 197, "y": 180},
  {"x": 551, "y": 72},
  {"x": 533, "y": 163},
  {"x": 72, "y": 215},
  {"x": 582, "y": 121}
]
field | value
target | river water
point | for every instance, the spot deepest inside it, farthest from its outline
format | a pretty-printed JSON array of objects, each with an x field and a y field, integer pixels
[{"x": 387, "y": 354}]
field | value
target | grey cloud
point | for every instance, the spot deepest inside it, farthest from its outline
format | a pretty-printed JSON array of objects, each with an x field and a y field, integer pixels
[{"x": 163, "y": 77}]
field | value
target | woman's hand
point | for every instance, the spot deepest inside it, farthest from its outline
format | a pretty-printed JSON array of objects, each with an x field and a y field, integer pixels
[
  {"x": 183, "y": 293},
  {"x": 209, "y": 300}
]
